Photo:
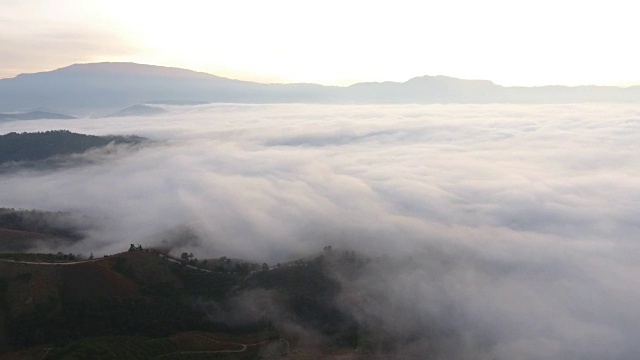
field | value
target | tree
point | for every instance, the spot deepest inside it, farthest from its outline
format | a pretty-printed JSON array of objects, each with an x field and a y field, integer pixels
[
  {"x": 242, "y": 268},
  {"x": 132, "y": 248},
  {"x": 265, "y": 267}
]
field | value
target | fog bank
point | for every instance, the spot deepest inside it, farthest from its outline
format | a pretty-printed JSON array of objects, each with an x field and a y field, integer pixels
[{"x": 518, "y": 223}]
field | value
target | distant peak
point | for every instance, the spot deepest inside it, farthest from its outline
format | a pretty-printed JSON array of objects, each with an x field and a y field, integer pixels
[{"x": 135, "y": 68}]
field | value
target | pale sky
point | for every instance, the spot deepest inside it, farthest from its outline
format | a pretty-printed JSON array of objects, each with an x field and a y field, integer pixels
[{"x": 333, "y": 42}]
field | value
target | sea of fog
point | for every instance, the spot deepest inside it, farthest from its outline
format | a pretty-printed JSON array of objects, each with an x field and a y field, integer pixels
[{"x": 522, "y": 220}]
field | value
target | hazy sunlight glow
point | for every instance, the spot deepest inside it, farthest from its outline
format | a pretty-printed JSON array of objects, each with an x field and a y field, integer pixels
[{"x": 532, "y": 43}]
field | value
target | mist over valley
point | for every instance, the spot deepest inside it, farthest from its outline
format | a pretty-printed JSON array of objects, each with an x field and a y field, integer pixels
[
  {"x": 453, "y": 180},
  {"x": 482, "y": 231}
]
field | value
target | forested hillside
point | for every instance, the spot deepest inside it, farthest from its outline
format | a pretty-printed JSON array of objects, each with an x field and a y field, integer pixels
[
  {"x": 143, "y": 296},
  {"x": 43, "y": 145}
]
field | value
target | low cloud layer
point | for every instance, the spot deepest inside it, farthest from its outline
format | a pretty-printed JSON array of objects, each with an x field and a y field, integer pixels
[{"x": 519, "y": 223}]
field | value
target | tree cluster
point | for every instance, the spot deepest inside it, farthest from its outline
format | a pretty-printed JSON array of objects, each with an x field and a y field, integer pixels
[{"x": 135, "y": 248}]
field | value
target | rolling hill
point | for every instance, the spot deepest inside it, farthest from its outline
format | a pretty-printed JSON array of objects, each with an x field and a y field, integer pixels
[
  {"x": 125, "y": 302},
  {"x": 140, "y": 293}
]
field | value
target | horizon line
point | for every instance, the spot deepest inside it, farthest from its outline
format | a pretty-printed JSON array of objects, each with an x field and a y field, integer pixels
[{"x": 317, "y": 83}]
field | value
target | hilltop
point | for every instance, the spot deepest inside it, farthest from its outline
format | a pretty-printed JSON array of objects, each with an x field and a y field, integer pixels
[
  {"x": 161, "y": 306},
  {"x": 139, "y": 110},
  {"x": 145, "y": 293}
]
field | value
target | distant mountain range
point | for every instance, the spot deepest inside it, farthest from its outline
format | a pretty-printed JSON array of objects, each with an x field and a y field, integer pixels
[{"x": 103, "y": 88}]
